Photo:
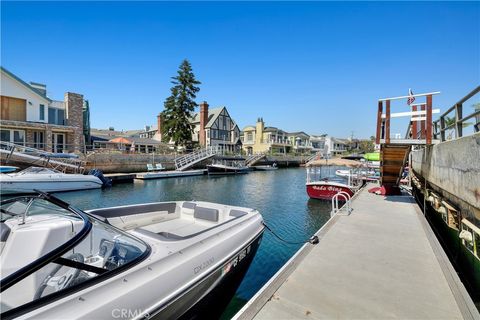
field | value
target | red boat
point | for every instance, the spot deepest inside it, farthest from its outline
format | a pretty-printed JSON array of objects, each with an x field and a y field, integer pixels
[
  {"x": 323, "y": 184},
  {"x": 326, "y": 189}
]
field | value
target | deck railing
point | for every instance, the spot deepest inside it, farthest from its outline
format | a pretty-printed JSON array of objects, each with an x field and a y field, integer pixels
[{"x": 445, "y": 123}]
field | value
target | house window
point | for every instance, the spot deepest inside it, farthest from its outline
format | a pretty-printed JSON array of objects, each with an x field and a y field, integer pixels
[
  {"x": 56, "y": 116},
  {"x": 42, "y": 112},
  {"x": 249, "y": 136},
  {"x": 13, "y": 136}
]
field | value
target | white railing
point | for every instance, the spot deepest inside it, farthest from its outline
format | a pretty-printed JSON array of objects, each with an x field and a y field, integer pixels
[
  {"x": 251, "y": 160},
  {"x": 336, "y": 208},
  {"x": 188, "y": 160}
]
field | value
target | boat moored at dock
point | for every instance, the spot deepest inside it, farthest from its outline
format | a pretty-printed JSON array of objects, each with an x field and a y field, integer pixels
[
  {"x": 47, "y": 180},
  {"x": 166, "y": 260},
  {"x": 225, "y": 168},
  {"x": 169, "y": 174},
  {"x": 323, "y": 184}
]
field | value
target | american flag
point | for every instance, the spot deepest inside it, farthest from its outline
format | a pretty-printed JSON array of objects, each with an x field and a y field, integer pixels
[{"x": 411, "y": 98}]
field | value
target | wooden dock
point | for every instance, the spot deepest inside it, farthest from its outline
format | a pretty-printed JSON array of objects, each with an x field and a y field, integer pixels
[{"x": 381, "y": 261}]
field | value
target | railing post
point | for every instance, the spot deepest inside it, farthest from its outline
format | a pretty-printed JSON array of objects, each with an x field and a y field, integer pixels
[
  {"x": 429, "y": 119},
  {"x": 387, "y": 121},
  {"x": 414, "y": 125},
  {"x": 442, "y": 128},
  {"x": 422, "y": 124},
  {"x": 379, "y": 121},
  {"x": 458, "y": 117}
]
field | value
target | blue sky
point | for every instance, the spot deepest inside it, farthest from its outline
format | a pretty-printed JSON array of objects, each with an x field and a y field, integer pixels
[{"x": 318, "y": 67}]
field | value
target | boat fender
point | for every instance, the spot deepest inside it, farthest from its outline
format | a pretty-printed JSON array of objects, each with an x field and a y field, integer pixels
[
  {"x": 312, "y": 240},
  {"x": 107, "y": 182}
]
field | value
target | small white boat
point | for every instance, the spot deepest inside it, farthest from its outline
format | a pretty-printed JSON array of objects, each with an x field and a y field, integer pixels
[
  {"x": 47, "y": 180},
  {"x": 227, "y": 168},
  {"x": 164, "y": 260},
  {"x": 266, "y": 167}
]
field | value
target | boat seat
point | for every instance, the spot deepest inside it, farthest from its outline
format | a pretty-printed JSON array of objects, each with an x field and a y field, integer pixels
[
  {"x": 237, "y": 213},
  {"x": 4, "y": 233},
  {"x": 180, "y": 227},
  {"x": 206, "y": 214},
  {"x": 170, "y": 207},
  {"x": 188, "y": 207}
]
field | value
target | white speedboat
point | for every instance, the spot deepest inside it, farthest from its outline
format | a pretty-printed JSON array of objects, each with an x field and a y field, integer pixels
[
  {"x": 47, "y": 180},
  {"x": 163, "y": 260},
  {"x": 266, "y": 167},
  {"x": 233, "y": 167}
]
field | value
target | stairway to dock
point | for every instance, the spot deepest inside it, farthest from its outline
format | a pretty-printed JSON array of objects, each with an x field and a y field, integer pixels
[
  {"x": 393, "y": 158},
  {"x": 189, "y": 160}
]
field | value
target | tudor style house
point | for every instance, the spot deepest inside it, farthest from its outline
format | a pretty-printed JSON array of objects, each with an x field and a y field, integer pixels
[
  {"x": 30, "y": 118},
  {"x": 211, "y": 127}
]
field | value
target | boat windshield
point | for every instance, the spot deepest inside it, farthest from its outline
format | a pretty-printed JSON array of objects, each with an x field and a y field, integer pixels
[
  {"x": 38, "y": 170},
  {"x": 52, "y": 250},
  {"x": 323, "y": 173}
]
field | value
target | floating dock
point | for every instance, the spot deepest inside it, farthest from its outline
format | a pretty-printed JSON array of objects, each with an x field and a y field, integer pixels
[
  {"x": 381, "y": 261},
  {"x": 169, "y": 174}
]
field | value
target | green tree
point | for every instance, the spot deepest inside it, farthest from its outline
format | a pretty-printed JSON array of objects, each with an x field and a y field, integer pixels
[{"x": 179, "y": 107}]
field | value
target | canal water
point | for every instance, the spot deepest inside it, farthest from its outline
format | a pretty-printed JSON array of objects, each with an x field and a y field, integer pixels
[{"x": 279, "y": 196}]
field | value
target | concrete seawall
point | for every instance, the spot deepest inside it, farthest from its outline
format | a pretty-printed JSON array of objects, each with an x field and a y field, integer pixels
[
  {"x": 452, "y": 169},
  {"x": 126, "y": 163}
]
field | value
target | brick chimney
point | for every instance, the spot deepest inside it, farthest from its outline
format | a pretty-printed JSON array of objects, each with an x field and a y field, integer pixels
[
  {"x": 203, "y": 122},
  {"x": 74, "y": 108}
]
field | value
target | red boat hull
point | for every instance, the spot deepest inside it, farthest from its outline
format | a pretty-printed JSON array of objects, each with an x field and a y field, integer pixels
[{"x": 326, "y": 191}]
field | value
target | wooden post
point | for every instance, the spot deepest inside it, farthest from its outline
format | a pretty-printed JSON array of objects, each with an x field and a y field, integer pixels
[
  {"x": 414, "y": 125},
  {"x": 422, "y": 124},
  {"x": 458, "y": 117},
  {"x": 387, "y": 121},
  {"x": 379, "y": 122},
  {"x": 428, "y": 121}
]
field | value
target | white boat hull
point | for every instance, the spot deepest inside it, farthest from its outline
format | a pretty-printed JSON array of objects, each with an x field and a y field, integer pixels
[{"x": 9, "y": 185}]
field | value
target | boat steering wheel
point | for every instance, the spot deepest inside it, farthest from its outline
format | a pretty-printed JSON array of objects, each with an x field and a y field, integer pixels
[{"x": 61, "y": 281}]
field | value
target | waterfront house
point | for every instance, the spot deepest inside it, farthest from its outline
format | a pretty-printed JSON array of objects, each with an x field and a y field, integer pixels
[
  {"x": 300, "y": 142},
  {"x": 125, "y": 141},
  {"x": 30, "y": 118},
  {"x": 262, "y": 139},
  {"x": 211, "y": 127},
  {"x": 329, "y": 146}
]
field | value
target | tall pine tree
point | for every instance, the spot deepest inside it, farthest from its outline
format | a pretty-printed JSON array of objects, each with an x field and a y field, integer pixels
[{"x": 179, "y": 107}]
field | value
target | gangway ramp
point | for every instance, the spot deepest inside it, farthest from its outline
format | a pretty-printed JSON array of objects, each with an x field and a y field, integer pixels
[
  {"x": 187, "y": 161},
  {"x": 253, "y": 159}
]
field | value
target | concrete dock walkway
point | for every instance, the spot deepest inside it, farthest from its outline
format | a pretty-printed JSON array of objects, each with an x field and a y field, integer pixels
[{"x": 380, "y": 262}]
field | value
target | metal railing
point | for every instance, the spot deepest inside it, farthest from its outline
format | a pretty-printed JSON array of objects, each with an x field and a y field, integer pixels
[
  {"x": 186, "y": 161},
  {"x": 251, "y": 160},
  {"x": 41, "y": 158},
  {"x": 445, "y": 123},
  {"x": 335, "y": 207}
]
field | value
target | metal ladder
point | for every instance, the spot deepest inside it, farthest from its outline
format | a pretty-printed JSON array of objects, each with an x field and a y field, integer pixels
[
  {"x": 346, "y": 197},
  {"x": 188, "y": 160}
]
